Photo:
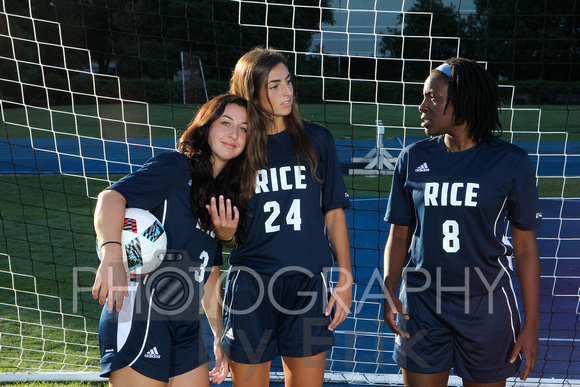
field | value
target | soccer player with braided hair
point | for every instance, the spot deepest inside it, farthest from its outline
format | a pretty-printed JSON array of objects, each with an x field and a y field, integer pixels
[{"x": 455, "y": 199}]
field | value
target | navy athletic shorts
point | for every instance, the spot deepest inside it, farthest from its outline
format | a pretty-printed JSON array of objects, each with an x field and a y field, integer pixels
[
  {"x": 266, "y": 316},
  {"x": 151, "y": 341},
  {"x": 474, "y": 338}
]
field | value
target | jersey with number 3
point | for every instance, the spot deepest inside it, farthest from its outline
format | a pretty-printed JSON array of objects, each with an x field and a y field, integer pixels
[
  {"x": 192, "y": 252},
  {"x": 457, "y": 204},
  {"x": 286, "y": 225}
]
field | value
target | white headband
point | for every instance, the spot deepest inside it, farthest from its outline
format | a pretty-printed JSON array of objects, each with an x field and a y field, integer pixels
[{"x": 445, "y": 69}]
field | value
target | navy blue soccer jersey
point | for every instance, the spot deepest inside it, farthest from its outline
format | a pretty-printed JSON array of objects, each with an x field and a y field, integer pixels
[
  {"x": 192, "y": 252},
  {"x": 286, "y": 225},
  {"x": 457, "y": 204}
]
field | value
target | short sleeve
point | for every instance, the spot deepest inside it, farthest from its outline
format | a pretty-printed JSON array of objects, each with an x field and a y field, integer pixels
[
  {"x": 523, "y": 202},
  {"x": 151, "y": 184},
  {"x": 334, "y": 193},
  {"x": 400, "y": 208}
]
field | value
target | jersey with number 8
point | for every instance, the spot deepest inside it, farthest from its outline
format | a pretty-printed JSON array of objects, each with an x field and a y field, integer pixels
[{"x": 457, "y": 204}]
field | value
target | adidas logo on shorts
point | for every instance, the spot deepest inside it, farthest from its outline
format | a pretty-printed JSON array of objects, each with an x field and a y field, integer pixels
[
  {"x": 422, "y": 168},
  {"x": 153, "y": 354},
  {"x": 230, "y": 334}
]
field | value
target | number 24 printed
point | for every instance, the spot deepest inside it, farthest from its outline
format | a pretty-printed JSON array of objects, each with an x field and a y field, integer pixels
[{"x": 292, "y": 217}]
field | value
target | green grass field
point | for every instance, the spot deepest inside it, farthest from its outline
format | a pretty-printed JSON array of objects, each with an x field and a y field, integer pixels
[
  {"x": 46, "y": 220},
  {"x": 356, "y": 120}
]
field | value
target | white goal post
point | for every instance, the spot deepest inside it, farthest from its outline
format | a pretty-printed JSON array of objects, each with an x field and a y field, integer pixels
[{"x": 194, "y": 88}]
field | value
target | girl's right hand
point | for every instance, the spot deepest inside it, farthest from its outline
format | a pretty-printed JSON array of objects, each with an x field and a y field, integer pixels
[
  {"x": 391, "y": 306},
  {"x": 221, "y": 369},
  {"x": 111, "y": 279},
  {"x": 224, "y": 216}
]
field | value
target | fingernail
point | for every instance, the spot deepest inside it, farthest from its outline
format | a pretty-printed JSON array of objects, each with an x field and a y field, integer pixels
[
  {"x": 218, "y": 368},
  {"x": 326, "y": 314}
]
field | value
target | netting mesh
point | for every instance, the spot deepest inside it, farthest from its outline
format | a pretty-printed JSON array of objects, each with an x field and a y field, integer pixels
[{"x": 89, "y": 90}]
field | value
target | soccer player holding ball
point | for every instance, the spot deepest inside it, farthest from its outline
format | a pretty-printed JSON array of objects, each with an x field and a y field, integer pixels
[
  {"x": 150, "y": 332},
  {"x": 277, "y": 299},
  {"x": 450, "y": 199}
]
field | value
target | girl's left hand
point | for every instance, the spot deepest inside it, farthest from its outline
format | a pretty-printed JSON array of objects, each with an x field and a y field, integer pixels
[
  {"x": 529, "y": 344},
  {"x": 341, "y": 299},
  {"x": 224, "y": 217},
  {"x": 221, "y": 369}
]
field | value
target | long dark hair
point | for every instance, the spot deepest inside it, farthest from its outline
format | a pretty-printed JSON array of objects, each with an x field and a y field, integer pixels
[
  {"x": 231, "y": 181},
  {"x": 475, "y": 98},
  {"x": 249, "y": 79}
]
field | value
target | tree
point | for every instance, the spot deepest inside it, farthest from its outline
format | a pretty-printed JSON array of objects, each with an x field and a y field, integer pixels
[
  {"x": 145, "y": 38},
  {"x": 521, "y": 40},
  {"x": 419, "y": 35},
  {"x": 532, "y": 39}
]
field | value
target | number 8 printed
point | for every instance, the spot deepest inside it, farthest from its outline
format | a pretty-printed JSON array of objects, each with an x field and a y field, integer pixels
[{"x": 451, "y": 236}]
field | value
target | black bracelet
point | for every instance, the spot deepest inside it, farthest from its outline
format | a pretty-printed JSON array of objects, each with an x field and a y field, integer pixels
[
  {"x": 119, "y": 243},
  {"x": 224, "y": 241}
]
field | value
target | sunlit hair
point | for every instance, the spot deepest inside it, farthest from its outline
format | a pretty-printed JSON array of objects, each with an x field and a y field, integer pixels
[
  {"x": 231, "y": 181},
  {"x": 475, "y": 98},
  {"x": 249, "y": 79}
]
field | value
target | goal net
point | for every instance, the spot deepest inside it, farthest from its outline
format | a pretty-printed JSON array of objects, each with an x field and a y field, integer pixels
[{"x": 89, "y": 90}]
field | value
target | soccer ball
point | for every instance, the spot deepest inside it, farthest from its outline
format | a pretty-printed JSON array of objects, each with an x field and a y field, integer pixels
[{"x": 144, "y": 242}]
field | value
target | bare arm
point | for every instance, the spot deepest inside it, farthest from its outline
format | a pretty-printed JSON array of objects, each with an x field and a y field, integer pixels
[
  {"x": 111, "y": 279},
  {"x": 212, "y": 305},
  {"x": 342, "y": 295},
  {"x": 527, "y": 261},
  {"x": 225, "y": 222},
  {"x": 395, "y": 253}
]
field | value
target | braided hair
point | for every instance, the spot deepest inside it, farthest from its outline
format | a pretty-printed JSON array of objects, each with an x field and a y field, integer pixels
[{"x": 475, "y": 98}]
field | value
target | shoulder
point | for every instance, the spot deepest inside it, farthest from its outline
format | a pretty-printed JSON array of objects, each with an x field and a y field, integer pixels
[
  {"x": 172, "y": 156},
  {"x": 501, "y": 143},
  {"x": 160, "y": 174},
  {"x": 169, "y": 158},
  {"x": 167, "y": 165},
  {"x": 422, "y": 145},
  {"x": 316, "y": 131},
  {"x": 507, "y": 149}
]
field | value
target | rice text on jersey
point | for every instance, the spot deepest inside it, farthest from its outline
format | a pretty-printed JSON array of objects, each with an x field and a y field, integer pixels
[
  {"x": 276, "y": 179},
  {"x": 451, "y": 194}
]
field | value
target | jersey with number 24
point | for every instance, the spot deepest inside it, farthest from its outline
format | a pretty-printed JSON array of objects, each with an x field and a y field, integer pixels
[{"x": 286, "y": 225}]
